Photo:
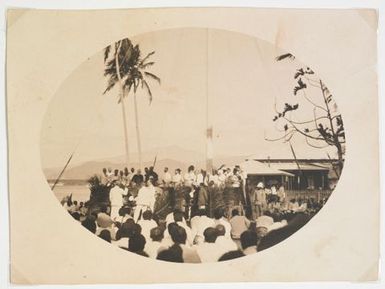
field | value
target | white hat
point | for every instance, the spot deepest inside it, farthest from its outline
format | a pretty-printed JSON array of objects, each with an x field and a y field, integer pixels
[
  {"x": 275, "y": 226},
  {"x": 265, "y": 221},
  {"x": 260, "y": 185}
]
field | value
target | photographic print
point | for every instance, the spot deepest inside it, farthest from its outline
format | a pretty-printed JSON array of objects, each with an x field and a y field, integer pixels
[
  {"x": 227, "y": 143},
  {"x": 198, "y": 144}
]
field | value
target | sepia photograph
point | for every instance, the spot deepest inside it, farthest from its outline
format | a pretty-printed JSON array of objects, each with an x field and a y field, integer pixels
[{"x": 193, "y": 145}]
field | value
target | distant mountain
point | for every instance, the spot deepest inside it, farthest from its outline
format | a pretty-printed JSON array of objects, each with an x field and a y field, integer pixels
[
  {"x": 168, "y": 152},
  {"x": 166, "y": 157},
  {"x": 88, "y": 169}
]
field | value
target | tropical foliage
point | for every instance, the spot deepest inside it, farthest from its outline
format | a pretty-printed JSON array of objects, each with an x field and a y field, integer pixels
[
  {"x": 325, "y": 128},
  {"x": 125, "y": 66},
  {"x": 99, "y": 193},
  {"x": 123, "y": 62}
]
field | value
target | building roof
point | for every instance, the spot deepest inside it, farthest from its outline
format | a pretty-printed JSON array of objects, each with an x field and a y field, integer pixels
[
  {"x": 258, "y": 168},
  {"x": 292, "y": 166}
]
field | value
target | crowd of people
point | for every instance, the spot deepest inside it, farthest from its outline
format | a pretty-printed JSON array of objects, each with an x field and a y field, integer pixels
[{"x": 200, "y": 227}]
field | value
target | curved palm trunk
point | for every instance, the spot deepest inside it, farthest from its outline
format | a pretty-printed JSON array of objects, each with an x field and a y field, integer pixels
[
  {"x": 138, "y": 132},
  {"x": 122, "y": 100},
  {"x": 125, "y": 133}
]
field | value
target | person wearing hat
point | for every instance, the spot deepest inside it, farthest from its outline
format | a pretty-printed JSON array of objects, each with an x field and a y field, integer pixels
[
  {"x": 264, "y": 224},
  {"x": 260, "y": 200},
  {"x": 104, "y": 221},
  {"x": 265, "y": 221},
  {"x": 221, "y": 178}
]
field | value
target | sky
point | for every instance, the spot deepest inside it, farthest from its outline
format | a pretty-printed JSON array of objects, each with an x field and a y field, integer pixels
[{"x": 236, "y": 74}]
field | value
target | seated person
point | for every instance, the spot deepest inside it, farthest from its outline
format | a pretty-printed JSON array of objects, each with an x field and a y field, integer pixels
[
  {"x": 136, "y": 244},
  {"x": 231, "y": 255},
  {"x": 223, "y": 242},
  {"x": 208, "y": 251},
  {"x": 249, "y": 242},
  {"x": 172, "y": 254},
  {"x": 147, "y": 223},
  {"x": 153, "y": 245},
  {"x": 179, "y": 237},
  {"x": 239, "y": 224}
]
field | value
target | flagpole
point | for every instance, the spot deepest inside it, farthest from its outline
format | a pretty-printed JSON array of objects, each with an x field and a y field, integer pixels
[{"x": 209, "y": 129}]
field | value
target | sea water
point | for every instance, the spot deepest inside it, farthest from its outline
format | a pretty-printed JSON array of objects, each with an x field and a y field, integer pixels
[{"x": 80, "y": 193}]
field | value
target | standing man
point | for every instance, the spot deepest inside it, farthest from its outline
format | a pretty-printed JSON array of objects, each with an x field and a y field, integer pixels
[
  {"x": 236, "y": 184},
  {"x": 175, "y": 190},
  {"x": 153, "y": 174},
  {"x": 138, "y": 178},
  {"x": 132, "y": 174},
  {"x": 116, "y": 198},
  {"x": 260, "y": 199},
  {"x": 146, "y": 174},
  {"x": 190, "y": 177},
  {"x": 201, "y": 178},
  {"x": 190, "y": 185},
  {"x": 177, "y": 179},
  {"x": 281, "y": 194},
  {"x": 166, "y": 179},
  {"x": 145, "y": 199}
]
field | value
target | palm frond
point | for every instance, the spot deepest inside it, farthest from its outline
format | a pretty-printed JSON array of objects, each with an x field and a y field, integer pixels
[
  {"x": 284, "y": 56},
  {"x": 111, "y": 83},
  {"x": 106, "y": 52},
  {"x": 146, "y": 57},
  {"x": 152, "y": 76},
  {"x": 145, "y": 85},
  {"x": 131, "y": 67},
  {"x": 148, "y": 64}
]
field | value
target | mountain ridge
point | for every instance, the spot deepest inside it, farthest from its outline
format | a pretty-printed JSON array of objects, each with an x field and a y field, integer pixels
[{"x": 86, "y": 169}]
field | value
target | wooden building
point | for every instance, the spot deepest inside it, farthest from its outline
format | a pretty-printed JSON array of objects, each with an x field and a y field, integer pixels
[
  {"x": 259, "y": 172},
  {"x": 303, "y": 174}
]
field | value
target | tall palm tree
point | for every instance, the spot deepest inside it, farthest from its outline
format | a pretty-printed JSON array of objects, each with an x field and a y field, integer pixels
[{"x": 127, "y": 68}]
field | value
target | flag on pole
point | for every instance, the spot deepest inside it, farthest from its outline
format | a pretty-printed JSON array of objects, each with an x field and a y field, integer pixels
[{"x": 209, "y": 133}]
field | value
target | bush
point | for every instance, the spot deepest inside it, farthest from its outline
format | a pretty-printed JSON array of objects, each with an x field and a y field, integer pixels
[{"x": 99, "y": 193}]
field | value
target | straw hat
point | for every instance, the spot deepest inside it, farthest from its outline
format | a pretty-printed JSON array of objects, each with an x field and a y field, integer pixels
[{"x": 265, "y": 221}]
